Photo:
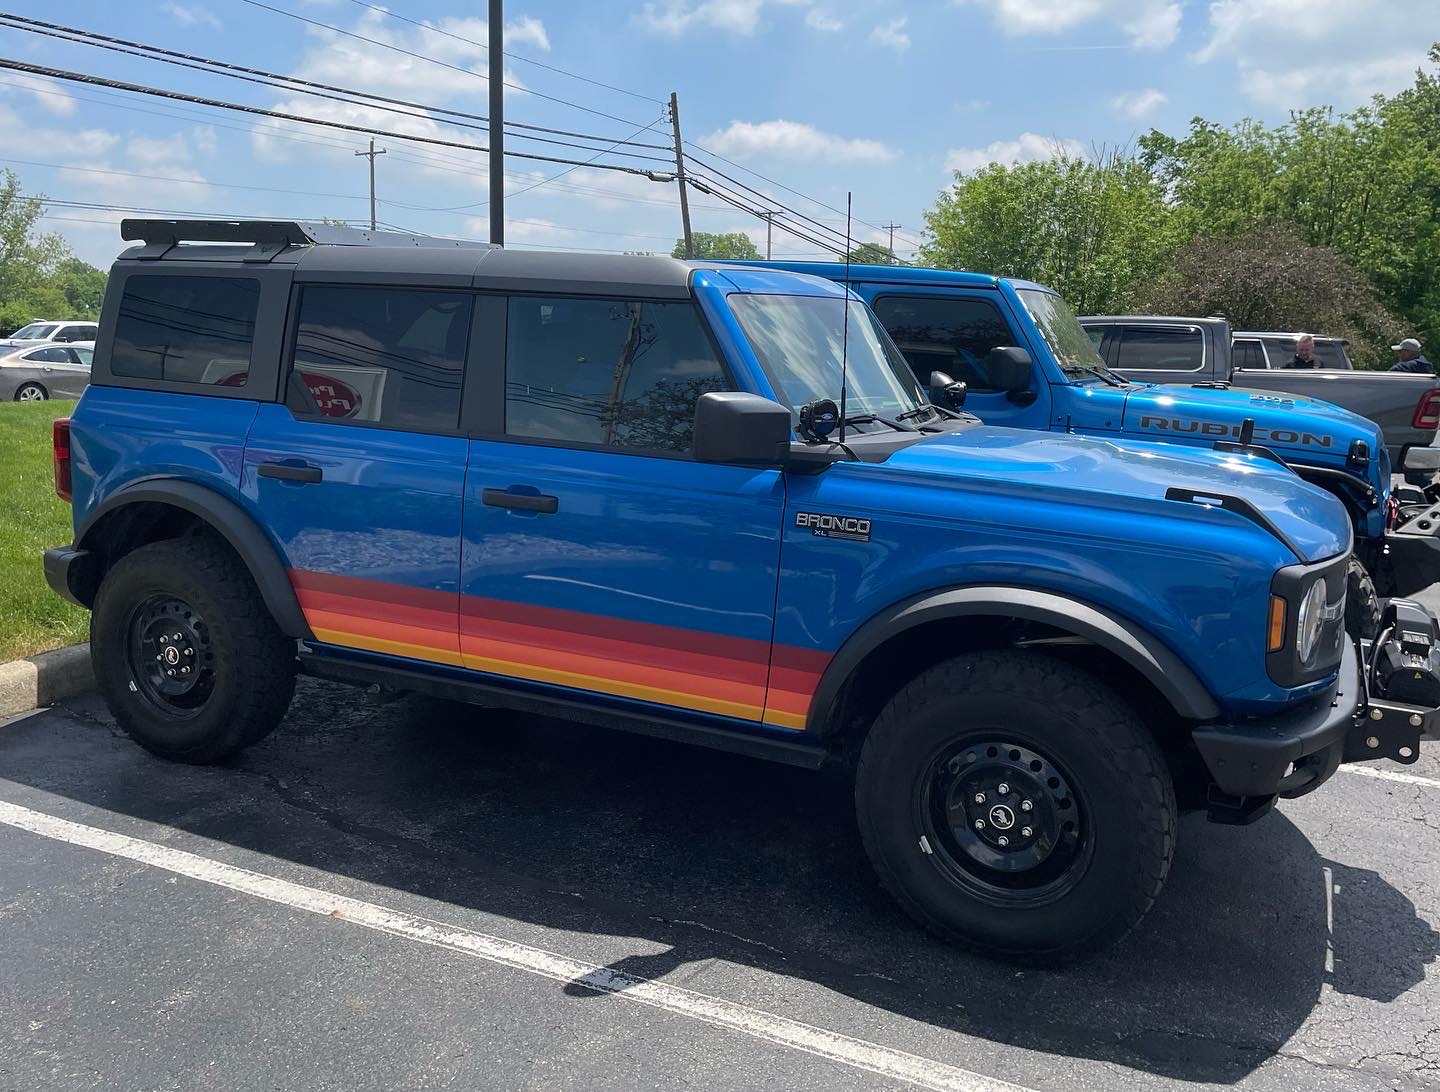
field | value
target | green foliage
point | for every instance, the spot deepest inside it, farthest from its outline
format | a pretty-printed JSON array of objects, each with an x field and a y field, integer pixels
[
  {"x": 1092, "y": 231},
  {"x": 872, "y": 254},
  {"x": 1268, "y": 278},
  {"x": 1362, "y": 186},
  {"x": 734, "y": 245},
  {"x": 39, "y": 277}
]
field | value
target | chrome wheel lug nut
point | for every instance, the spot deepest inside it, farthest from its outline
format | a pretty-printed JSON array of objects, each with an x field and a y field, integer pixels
[
  {"x": 1025, "y": 832},
  {"x": 159, "y": 656},
  {"x": 979, "y": 824},
  {"x": 1004, "y": 841},
  {"x": 1003, "y": 789},
  {"x": 1026, "y": 805},
  {"x": 185, "y": 671},
  {"x": 189, "y": 652},
  {"x": 979, "y": 798},
  {"x": 170, "y": 671}
]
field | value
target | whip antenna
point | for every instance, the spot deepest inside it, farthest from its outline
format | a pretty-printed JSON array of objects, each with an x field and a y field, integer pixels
[{"x": 845, "y": 325}]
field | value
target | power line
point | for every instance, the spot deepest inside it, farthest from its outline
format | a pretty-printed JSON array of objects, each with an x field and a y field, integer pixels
[
  {"x": 295, "y": 85},
  {"x": 141, "y": 89},
  {"x": 433, "y": 60},
  {"x": 512, "y": 56}
]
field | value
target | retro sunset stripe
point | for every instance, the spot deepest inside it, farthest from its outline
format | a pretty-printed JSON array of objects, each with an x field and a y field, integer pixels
[{"x": 667, "y": 665}]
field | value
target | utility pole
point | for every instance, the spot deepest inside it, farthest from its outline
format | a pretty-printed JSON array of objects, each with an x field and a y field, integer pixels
[
  {"x": 370, "y": 155},
  {"x": 497, "y": 122},
  {"x": 680, "y": 175},
  {"x": 891, "y": 228},
  {"x": 769, "y": 217}
]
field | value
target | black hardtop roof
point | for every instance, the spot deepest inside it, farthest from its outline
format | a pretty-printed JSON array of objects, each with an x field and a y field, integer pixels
[
  {"x": 1191, "y": 320},
  {"x": 321, "y": 251}
]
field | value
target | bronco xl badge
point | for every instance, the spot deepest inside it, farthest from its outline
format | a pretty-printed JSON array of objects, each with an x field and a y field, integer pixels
[{"x": 823, "y": 526}]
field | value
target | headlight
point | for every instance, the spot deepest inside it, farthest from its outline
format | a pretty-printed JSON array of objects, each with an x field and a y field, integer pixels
[{"x": 1311, "y": 621}]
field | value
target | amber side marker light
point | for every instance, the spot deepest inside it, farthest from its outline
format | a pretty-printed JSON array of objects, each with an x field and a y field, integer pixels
[{"x": 1277, "y": 624}]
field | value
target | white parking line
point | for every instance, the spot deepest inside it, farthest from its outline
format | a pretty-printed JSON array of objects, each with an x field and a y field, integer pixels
[
  {"x": 1393, "y": 775},
  {"x": 757, "y": 1023}
]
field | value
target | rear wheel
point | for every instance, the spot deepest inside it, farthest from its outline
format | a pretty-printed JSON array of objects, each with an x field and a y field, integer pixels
[
  {"x": 31, "y": 392},
  {"x": 1362, "y": 603},
  {"x": 186, "y": 655},
  {"x": 1014, "y": 804}
]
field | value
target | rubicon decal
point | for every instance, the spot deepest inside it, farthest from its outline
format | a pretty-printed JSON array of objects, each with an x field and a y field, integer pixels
[
  {"x": 1232, "y": 432},
  {"x": 855, "y": 528}
]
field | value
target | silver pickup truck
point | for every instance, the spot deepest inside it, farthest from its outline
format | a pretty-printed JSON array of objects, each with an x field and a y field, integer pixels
[{"x": 1156, "y": 349}]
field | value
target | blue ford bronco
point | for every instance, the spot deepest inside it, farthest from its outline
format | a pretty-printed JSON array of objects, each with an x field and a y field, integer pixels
[
  {"x": 949, "y": 321},
  {"x": 709, "y": 504}
]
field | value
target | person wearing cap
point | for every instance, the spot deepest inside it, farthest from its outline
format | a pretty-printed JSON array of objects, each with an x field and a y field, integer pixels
[
  {"x": 1409, "y": 358},
  {"x": 1304, "y": 351}
]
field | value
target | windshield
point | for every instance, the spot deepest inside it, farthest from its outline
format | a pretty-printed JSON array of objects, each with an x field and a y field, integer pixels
[
  {"x": 1061, "y": 330},
  {"x": 798, "y": 340},
  {"x": 35, "y": 331}
]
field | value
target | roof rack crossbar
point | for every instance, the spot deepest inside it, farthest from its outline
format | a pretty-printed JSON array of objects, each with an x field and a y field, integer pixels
[{"x": 269, "y": 237}]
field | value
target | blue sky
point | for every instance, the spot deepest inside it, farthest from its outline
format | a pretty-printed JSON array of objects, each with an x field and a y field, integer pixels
[{"x": 820, "y": 96}]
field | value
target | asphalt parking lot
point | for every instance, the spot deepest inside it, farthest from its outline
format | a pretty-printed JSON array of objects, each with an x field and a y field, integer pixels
[{"x": 414, "y": 895}]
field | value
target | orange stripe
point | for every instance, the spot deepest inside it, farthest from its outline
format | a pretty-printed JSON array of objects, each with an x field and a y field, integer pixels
[{"x": 390, "y": 648}]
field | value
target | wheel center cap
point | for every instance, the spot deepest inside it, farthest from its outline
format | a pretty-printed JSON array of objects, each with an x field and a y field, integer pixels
[
  {"x": 1001, "y": 817},
  {"x": 172, "y": 654}
]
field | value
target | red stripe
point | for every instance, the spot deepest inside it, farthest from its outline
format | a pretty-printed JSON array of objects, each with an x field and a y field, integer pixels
[
  {"x": 380, "y": 591},
  {"x": 377, "y": 609}
]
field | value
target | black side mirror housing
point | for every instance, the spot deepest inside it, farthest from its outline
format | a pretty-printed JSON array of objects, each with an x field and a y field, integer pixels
[
  {"x": 742, "y": 429},
  {"x": 1009, "y": 369},
  {"x": 947, "y": 392}
]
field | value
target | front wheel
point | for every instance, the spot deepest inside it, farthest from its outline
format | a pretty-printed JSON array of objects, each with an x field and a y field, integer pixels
[
  {"x": 1362, "y": 603},
  {"x": 31, "y": 392},
  {"x": 1014, "y": 804},
  {"x": 186, "y": 655}
]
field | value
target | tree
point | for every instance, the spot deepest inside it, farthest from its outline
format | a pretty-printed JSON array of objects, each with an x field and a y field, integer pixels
[
  {"x": 1269, "y": 278},
  {"x": 872, "y": 254},
  {"x": 1094, "y": 231},
  {"x": 39, "y": 277},
  {"x": 734, "y": 245}
]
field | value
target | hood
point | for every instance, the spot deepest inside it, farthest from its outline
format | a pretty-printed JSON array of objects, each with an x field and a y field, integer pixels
[
  {"x": 1119, "y": 473},
  {"x": 1288, "y": 424}
]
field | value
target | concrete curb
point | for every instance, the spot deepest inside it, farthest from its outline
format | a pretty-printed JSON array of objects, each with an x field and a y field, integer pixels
[{"x": 44, "y": 679}]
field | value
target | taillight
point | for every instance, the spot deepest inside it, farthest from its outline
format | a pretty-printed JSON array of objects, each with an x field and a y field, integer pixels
[
  {"x": 60, "y": 436},
  {"x": 1427, "y": 411}
]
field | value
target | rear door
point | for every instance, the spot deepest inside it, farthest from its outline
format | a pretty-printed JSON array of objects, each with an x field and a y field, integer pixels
[
  {"x": 1161, "y": 354},
  {"x": 1249, "y": 355},
  {"x": 598, "y": 556},
  {"x": 360, "y": 472}
]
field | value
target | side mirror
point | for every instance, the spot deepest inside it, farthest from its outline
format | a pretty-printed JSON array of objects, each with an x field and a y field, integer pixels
[
  {"x": 1423, "y": 459},
  {"x": 946, "y": 392},
  {"x": 1009, "y": 369},
  {"x": 744, "y": 429}
]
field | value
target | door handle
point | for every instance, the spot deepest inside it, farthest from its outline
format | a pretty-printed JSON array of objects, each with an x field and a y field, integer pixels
[
  {"x": 290, "y": 472},
  {"x": 526, "y": 502}
]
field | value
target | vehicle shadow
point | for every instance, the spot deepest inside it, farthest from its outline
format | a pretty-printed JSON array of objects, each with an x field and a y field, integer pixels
[{"x": 706, "y": 856}]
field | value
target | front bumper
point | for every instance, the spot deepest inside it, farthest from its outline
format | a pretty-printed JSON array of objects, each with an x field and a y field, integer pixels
[{"x": 1297, "y": 751}]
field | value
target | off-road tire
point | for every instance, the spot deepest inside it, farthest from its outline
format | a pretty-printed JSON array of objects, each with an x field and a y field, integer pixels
[
  {"x": 1362, "y": 603},
  {"x": 1085, "y": 728},
  {"x": 252, "y": 664}
]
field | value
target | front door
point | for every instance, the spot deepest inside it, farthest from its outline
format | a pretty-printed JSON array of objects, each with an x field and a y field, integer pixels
[
  {"x": 598, "y": 556},
  {"x": 360, "y": 474}
]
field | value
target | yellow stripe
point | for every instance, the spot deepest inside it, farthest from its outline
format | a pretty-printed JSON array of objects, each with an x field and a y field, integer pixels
[
  {"x": 543, "y": 674},
  {"x": 785, "y": 720}
]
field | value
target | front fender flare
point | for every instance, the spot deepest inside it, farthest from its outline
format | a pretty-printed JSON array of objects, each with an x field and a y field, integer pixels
[
  {"x": 1164, "y": 670},
  {"x": 230, "y": 522}
]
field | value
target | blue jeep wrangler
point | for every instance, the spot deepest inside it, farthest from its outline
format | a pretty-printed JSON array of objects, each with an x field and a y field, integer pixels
[
  {"x": 710, "y": 504},
  {"x": 1054, "y": 379}
]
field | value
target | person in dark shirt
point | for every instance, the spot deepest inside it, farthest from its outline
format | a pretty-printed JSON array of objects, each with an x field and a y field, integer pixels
[
  {"x": 1409, "y": 358},
  {"x": 1304, "y": 352}
]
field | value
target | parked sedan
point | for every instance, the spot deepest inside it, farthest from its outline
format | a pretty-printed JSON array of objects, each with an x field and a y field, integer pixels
[{"x": 49, "y": 371}]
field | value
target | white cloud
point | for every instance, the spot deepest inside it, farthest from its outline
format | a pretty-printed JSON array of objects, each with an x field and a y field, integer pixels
[
  {"x": 1026, "y": 148},
  {"x": 1296, "y": 53},
  {"x": 47, "y": 94},
  {"x": 743, "y": 17},
  {"x": 822, "y": 19},
  {"x": 780, "y": 139},
  {"x": 193, "y": 16},
  {"x": 1145, "y": 23},
  {"x": 892, "y": 34},
  {"x": 1138, "y": 105}
]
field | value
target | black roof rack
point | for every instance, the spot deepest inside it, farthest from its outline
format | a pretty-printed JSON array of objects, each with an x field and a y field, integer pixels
[{"x": 269, "y": 237}]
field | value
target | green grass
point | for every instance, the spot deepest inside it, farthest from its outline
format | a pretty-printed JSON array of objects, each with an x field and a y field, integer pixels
[{"x": 32, "y": 617}]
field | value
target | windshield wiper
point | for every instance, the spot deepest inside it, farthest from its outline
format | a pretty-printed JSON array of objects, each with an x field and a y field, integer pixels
[
  {"x": 867, "y": 418},
  {"x": 916, "y": 412},
  {"x": 1101, "y": 372}
]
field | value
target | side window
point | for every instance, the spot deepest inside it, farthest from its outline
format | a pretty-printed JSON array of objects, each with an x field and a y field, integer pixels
[
  {"x": 380, "y": 355},
  {"x": 1331, "y": 354},
  {"x": 186, "y": 329},
  {"x": 52, "y": 354},
  {"x": 952, "y": 335},
  {"x": 613, "y": 373},
  {"x": 1248, "y": 355},
  {"x": 1161, "y": 349},
  {"x": 1096, "y": 334},
  {"x": 1282, "y": 351}
]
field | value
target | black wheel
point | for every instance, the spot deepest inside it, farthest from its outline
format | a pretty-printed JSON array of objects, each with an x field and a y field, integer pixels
[
  {"x": 186, "y": 655},
  {"x": 31, "y": 392},
  {"x": 1016, "y": 805},
  {"x": 1362, "y": 603}
]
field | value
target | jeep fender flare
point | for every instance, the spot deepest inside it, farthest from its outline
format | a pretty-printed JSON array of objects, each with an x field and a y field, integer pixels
[
  {"x": 230, "y": 522},
  {"x": 1149, "y": 656}
]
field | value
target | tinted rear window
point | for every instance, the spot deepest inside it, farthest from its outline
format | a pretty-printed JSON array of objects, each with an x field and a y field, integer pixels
[
  {"x": 1160, "y": 348},
  {"x": 186, "y": 329}
]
